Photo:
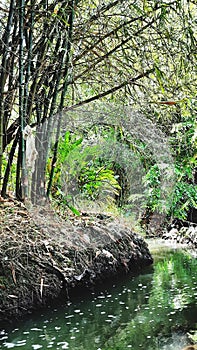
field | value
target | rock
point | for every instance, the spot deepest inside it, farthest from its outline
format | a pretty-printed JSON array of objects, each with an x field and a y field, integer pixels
[{"x": 182, "y": 232}]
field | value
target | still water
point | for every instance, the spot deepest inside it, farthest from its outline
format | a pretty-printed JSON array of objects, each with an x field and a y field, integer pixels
[{"x": 153, "y": 311}]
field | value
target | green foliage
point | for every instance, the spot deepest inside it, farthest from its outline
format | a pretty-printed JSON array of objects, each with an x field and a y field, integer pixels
[
  {"x": 184, "y": 143},
  {"x": 182, "y": 137},
  {"x": 80, "y": 167},
  {"x": 66, "y": 145},
  {"x": 184, "y": 195},
  {"x": 94, "y": 179},
  {"x": 153, "y": 188},
  {"x": 87, "y": 162},
  {"x": 63, "y": 202}
]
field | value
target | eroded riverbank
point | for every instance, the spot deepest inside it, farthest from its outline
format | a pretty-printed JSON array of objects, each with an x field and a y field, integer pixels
[{"x": 43, "y": 257}]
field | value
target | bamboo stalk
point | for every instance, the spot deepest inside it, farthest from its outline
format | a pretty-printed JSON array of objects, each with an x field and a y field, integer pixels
[
  {"x": 3, "y": 80},
  {"x": 21, "y": 99},
  {"x": 65, "y": 86},
  {"x": 9, "y": 164}
]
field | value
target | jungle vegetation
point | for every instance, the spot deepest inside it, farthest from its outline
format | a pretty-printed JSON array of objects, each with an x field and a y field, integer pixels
[{"x": 98, "y": 103}]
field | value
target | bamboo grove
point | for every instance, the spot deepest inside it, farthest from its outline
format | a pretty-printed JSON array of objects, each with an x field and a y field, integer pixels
[{"x": 57, "y": 56}]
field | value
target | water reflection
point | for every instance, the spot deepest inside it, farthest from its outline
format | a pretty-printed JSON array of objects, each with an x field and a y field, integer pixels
[{"x": 151, "y": 311}]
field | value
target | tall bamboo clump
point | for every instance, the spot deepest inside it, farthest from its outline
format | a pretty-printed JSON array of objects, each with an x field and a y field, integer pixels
[{"x": 36, "y": 53}]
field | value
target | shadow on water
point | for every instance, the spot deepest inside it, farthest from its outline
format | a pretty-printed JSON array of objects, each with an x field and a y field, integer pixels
[{"x": 153, "y": 311}]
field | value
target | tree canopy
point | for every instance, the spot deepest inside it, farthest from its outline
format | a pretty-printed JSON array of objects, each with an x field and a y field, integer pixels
[{"x": 57, "y": 56}]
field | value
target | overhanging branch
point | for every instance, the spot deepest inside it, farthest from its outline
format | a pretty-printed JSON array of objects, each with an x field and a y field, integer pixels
[{"x": 110, "y": 91}]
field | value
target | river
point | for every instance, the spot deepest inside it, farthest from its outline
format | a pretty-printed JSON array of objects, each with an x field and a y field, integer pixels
[{"x": 152, "y": 311}]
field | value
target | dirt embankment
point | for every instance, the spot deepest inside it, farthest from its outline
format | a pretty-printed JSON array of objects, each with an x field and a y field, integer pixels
[{"x": 43, "y": 257}]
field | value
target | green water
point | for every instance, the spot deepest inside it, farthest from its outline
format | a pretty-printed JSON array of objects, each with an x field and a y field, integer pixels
[{"x": 153, "y": 311}]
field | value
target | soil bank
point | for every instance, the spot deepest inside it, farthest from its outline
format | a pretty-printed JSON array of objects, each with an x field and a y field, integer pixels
[{"x": 43, "y": 257}]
